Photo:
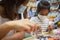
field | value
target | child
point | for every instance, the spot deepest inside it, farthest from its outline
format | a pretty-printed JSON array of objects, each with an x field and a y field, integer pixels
[{"x": 43, "y": 8}]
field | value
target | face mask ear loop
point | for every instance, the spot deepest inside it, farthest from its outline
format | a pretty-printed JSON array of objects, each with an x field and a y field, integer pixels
[{"x": 21, "y": 10}]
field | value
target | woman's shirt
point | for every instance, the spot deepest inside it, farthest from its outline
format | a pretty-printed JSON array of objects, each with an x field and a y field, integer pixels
[
  {"x": 3, "y": 20},
  {"x": 43, "y": 23}
]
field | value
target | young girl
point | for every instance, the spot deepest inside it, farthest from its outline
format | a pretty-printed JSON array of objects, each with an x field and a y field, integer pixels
[{"x": 43, "y": 8}]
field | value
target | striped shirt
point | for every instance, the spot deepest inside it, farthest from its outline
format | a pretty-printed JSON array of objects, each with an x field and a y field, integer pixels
[{"x": 43, "y": 23}]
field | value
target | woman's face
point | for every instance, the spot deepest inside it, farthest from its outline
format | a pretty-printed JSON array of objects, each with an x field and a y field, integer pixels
[{"x": 44, "y": 12}]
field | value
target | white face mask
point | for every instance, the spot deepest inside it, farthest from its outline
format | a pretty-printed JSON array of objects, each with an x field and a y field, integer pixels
[
  {"x": 42, "y": 17},
  {"x": 21, "y": 9}
]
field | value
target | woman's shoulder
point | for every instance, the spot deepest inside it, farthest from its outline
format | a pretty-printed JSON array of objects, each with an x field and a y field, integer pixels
[{"x": 3, "y": 19}]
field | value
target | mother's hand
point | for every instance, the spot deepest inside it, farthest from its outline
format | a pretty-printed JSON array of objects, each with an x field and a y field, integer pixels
[{"x": 22, "y": 25}]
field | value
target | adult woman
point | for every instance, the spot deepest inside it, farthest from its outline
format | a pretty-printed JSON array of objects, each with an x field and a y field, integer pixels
[{"x": 10, "y": 12}]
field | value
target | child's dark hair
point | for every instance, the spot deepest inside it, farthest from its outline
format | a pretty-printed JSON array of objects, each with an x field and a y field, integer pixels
[{"x": 43, "y": 5}]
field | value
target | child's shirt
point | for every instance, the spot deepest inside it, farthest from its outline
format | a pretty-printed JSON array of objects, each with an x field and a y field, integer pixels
[{"x": 41, "y": 21}]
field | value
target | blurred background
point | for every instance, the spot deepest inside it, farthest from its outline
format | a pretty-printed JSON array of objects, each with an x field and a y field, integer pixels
[{"x": 21, "y": 9}]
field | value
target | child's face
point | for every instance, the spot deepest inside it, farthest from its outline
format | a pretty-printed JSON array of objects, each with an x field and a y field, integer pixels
[{"x": 44, "y": 12}]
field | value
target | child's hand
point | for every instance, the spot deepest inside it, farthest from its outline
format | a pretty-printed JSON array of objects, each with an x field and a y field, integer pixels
[
  {"x": 49, "y": 28},
  {"x": 40, "y": 29}
]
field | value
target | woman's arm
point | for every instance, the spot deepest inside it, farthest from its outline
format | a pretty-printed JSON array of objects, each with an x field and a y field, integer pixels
[
  {"x": 4, "y": 29},
  {"x": 19, "y": 25}
]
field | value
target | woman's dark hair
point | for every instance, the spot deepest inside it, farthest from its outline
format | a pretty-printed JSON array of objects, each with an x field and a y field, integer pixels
[
  {"x": 19, "y": 2},
  {"x": 10, "y": 8},
  {"x": 42, "y": 5}
]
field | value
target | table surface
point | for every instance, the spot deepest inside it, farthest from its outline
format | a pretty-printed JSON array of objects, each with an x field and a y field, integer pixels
[{"x": 31, "y": 38}]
